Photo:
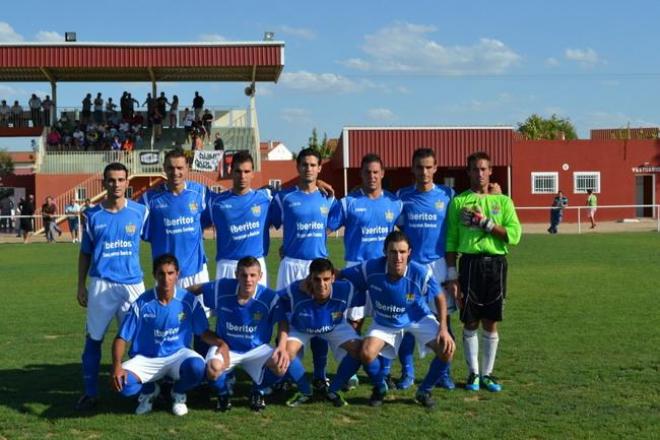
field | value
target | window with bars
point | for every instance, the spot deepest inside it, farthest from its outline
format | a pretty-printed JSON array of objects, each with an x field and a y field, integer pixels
[
  {"x": 584, "y": 180},
  {"x": 81, "y": 193},
  {"x": 276, "y": 184},
  {"x": 545, "y": 182}
]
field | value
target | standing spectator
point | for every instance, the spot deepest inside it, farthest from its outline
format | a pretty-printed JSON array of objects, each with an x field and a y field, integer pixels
[
  {"x": 161, "y": 104},
  {"x": 98, "y": 109},
  {"x": 5, "y": 112},
  {"x": 197, "y": 143},
  {"x": 557, "y": 211},
  {"x": 48, "y": 210},
  {"x": 207, "y": 122},
  {"x": 35, "y": 110},
  {"x": 198, "y": 105},
  {"x": 592, "y": 203},
  {"x": 150, "y": 104},
  {"x": 157, "y": 121},
  {"x": 131, "y": 103},
  {"x": 218, "y": 144},
  {"x": 72, "y": 211},
  {"x": 17, "y": 114},
  {"x": 110, "y": 112},
  {"x": 47, "y": 104},
  {"x": 27, "y": 222},
  {"x": 6, "y": 208},
  {"x": 123, "y": 105},
  {"x": 174, "y": 108},
  {"x": 188, "y": 120},
  {"x": 86, "y": 109}
]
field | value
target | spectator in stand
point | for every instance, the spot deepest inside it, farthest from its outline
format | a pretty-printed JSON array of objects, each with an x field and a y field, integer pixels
[
  {"x": 124, "y": 126},
  {"x": 92, "y": 139},
  {"x": 79, "y": 138},
  {"x": 123, "y": 105},
  {"x": 98, "y": 109},
  {"x": 200, "y": 130},
  {"x": 116, "y": 144},
  {"x": 162, "y": 103},
  {"x": 139, "y": 140},
  {"x": 54, "y": 140},
  {"x": 131, "y": 103},
  {"x": 198, "y": 105},
  {"x": 157, "y": 122},
  {"x": 188, "y": 122},
  {"x": 35, "y": 110},
  {"x": 27, "y": 222},
  {"x": 17, "y": 114},
  {"x": 129, "y": 144},
  {"x": 5, "y": 112},
  {"x": 207, "y": 122},
  {"x": 150, "y": 103},
  {"x": 47, "y": 104},
  {"x": 48, "y": 211},
  {"x": 174, "y": 108},
  {"x": 86, "y": 116},
  {"x": 110, "y": 112},
  {"x": 218, "y": 144},
  {"x": 197, "y": 143}
]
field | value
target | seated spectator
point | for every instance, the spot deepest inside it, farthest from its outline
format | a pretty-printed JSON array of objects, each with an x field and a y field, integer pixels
[
  {"x": 78, "y": 138},
  {"x": 218, "y": 144},
  {"x": 54, "y": 139},
  {"x": 137, "y": 120},
  {"x": 128, "y": 144},
  {"x": 17, "y": 114},
  {"x": 124, "y": 126}
]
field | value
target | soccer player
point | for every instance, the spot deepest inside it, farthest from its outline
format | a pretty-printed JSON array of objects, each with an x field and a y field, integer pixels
[
  {"x": 423, "y": 221},
  {"x": 240, "y": 220},
  {"x": 481, "y": 226},
  {"x": 303, "y": 214},
  {"x": 246, "y": 313},
  {"x": 398, "y": 290},
  {"x": 317, "y": 306},
  {"x": 109, "y": 254},
  {"x": 159, "y": 329}
]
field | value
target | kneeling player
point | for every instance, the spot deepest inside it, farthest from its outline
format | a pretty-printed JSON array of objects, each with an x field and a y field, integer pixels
[
  {"x": 317, "y": 308},
  {"x": 246, "y": 314},
  {"x": 397, "y": 289},
  {"x": 159, "y": 327}
]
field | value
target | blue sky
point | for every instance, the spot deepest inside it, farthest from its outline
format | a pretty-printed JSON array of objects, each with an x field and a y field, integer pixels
[{"x": 390, "y": 63}]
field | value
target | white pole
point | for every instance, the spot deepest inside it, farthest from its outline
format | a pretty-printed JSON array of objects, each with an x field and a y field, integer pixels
[
  {"x": 579, "y": 221},
  {"x": 657, "y": 216}
]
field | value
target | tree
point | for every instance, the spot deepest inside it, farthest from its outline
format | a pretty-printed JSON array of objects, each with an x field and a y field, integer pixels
[
  {"x": 536, "y": 127},
  {"x": 322, "y": 147},
  {"x": 6, "y": 163}
]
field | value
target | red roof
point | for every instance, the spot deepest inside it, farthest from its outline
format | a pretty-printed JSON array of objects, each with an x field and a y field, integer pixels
[
  {"x": 225, "y": 61},
  {"x": 395, "y": 145}
]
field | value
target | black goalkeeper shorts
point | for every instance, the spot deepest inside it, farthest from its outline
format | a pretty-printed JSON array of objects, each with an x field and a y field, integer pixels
[{"x": 483, "y": 283}]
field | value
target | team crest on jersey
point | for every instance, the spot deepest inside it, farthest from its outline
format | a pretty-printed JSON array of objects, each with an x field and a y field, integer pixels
[
  {"x": 439, "y": 205},
  {"x": 410, "y": 297},
  {"x": 495, "y": 209},
  {"x": 181, "y": 316},
  {"x": 130, "y": 229},
  {"x": 193, "y": 207},
  {"x": 257, "y": 316},
  {"x": 336, "y": 315},
  {"x": 324, "y": 210},
  {"x": 256, "y": 210},
  {"x": 389, "y": 215}
]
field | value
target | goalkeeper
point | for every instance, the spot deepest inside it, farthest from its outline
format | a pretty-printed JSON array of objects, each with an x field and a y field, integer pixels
[{"x": 480, "y": 226}]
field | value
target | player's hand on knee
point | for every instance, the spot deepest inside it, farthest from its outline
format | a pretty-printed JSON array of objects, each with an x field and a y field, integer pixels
[
  {"x": 281, "y": 360},
  {"x": 119, "y": 378},
  {"x": 445, "y": 343},
  {"x": 82, "y": 296}
]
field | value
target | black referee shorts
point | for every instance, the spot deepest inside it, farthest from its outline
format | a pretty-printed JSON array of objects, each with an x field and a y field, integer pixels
[{"x": 483, "y": 282}]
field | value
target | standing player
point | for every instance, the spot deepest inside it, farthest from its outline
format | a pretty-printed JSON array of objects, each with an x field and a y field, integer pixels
[
  {"x": 240, "y": 219},
  {"x": 110, "y": 255},
  {"x": 481, "y": 225},
  {"x": 159, "y": 329},
  {"x": 398, "y": 290},
  {"x": 423, "y": 221},
  {"x": 303, "y": 213},
  {"x": 246, "y": 314},
  {"x": 317, "y": 307}
]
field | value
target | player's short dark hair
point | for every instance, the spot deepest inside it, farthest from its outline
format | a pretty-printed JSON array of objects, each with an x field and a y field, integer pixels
[
  {"x": 248, "y": 261},
  {"x": 174, "y": 154},
  {"x": 395, "y": 237},
  {"x": 589, "y": 191},
  {"x": 241, "y": 157},
  {"x": 475, "y": 157},
  {"x": 371, "y": 158},
  {"x": 165, "y": 259},
  {"x": 114, "y": 166},
  {"x": 319, "y": 265},
  {"x": 423, "y": 153},
  {"x": 307, "y": 152}
]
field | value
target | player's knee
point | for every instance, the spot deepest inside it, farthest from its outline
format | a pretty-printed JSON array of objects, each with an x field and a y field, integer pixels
[
  {"x": 471, "y": 325},
  {"x": 353, "y": 348},
  {"x": 366, "y": 355},
  {"x": 214, "y": 368},
  {"x": 192, "y": 368},
  {"x": 489, "y": 326}
]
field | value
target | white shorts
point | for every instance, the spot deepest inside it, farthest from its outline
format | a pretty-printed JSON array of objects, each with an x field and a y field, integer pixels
[
  {"x": 424, "y": 332},
  {"x": 227, "y": 269},
  {"x": 341, "y": 334},
  {"x": 291, "y": 269},
  {"x": 200, "y": 277},
  {"x": 439, "y": 268},
  {"x": 106, "y": 300},
  {"x": 592, "y": 212},
  {"x": 253, "y": 361},
  {"x": 150, "y": 369},
  {"x": 357, "y": 313}
]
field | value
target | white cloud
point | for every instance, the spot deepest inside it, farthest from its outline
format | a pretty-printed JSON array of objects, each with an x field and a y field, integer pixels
[
  {"x": 603, "y": 119},
  {"x": 295, "y": 115},
  {"x": 324, "y": 82},
  {"x": 551, "y": 62},
  {"x": 8, "y": 34},
  {"x": 304, "y": 33},
  {"x": 381, "y": 114},
  {"x": 10, "y": 93},
  {"x": 407, "y": 48},
  {"x": 49, "y": 37},
  {"x": 212, "y": 38},
  {"x": 585, "y": 57},
  {"x": 501, "y": 101}
]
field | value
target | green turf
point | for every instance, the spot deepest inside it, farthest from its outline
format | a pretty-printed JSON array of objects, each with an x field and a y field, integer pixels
[{"x": 578, "y": 357}]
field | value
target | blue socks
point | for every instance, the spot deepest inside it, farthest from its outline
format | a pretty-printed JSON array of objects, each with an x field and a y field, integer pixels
[
  {"x": 320, "y": 357},
  {"x": 375, "y": 373},
  {"x": 347, "y": 368},
  {"x": 219, "y": 385},
  {"x": 91, "y": 361},
  {"x": 297, "y": 373},
  {"x": 386, "y": 365},
  {"x": 436, "y": 370},
  {"x": 191, "y": 374},
  {"x": 406, "y": 351}
]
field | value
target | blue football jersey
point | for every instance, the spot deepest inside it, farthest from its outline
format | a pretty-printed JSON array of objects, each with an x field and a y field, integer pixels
[
  {"x": 423, "y": 221},
  {"x": 112, "y": 239},
  {"x": 157, "y": 330},
  {"x": 242, "y": 326},
  {"x": 175, "y": 225},
  {"x": 304, "y": 218},
  {"x": 396, "y": 303},
  {"x": 241, "y": 223},
  {"x": 366, "y": 223},
  {"x": 308, "y": 316}
]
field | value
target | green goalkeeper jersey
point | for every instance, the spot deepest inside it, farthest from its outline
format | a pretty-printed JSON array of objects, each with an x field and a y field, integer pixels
[{"x": 474, "y": 240}]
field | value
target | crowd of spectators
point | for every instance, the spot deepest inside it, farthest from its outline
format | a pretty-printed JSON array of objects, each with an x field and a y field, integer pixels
[{"x": 16, "y": 116}]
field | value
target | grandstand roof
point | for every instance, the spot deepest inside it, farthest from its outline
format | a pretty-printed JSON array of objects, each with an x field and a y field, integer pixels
[{"x": 198, "y": 61}]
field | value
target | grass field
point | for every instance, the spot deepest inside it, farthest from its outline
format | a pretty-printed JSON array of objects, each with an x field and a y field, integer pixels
[{"x": 578, "y": 357}]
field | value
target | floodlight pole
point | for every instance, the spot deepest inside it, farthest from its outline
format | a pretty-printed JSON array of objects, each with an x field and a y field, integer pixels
[{"x": 154, "y": 90}]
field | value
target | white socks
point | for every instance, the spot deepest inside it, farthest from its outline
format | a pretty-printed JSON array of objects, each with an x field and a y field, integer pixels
[
  {"x": 489, "y": 350},
  {"x": 490, "y": 341},
  {"x": 471, "y": 348}
]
